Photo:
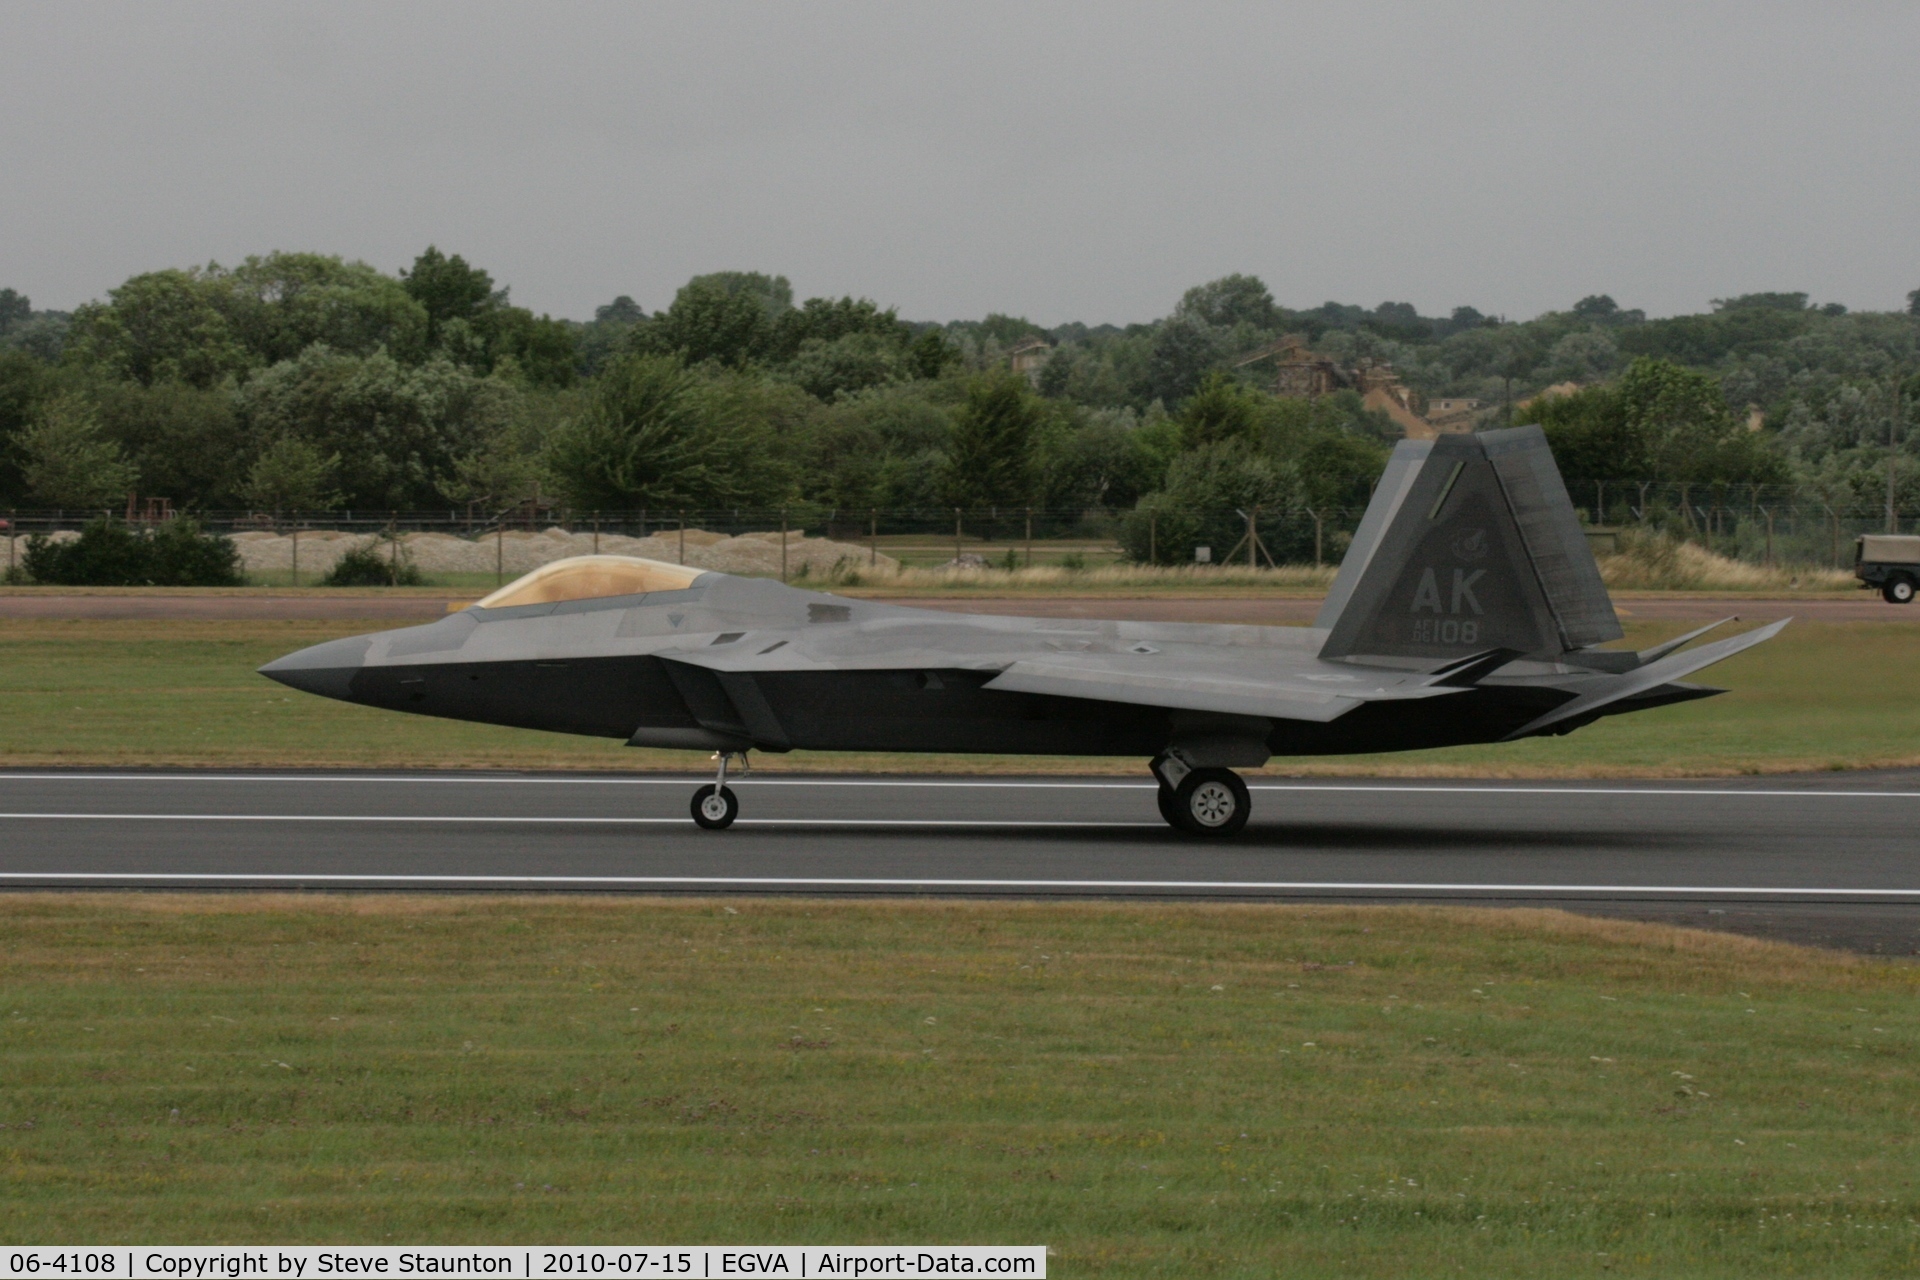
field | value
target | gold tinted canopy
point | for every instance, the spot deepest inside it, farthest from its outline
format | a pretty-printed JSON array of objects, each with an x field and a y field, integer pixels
[{"x": 590, "y": 578}]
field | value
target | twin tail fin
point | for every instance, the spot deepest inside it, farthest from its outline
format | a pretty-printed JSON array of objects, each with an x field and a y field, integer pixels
[{"x": 1470, "y": 544}]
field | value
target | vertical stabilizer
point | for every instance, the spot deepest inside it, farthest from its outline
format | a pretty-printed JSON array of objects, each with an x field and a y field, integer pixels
[
  {"x": 1402, "y": 468},
  {"x": 1476, "y": 547}
]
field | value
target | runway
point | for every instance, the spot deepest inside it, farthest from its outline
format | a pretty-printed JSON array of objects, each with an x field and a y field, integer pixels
[{"x": 1831, "y": 858}]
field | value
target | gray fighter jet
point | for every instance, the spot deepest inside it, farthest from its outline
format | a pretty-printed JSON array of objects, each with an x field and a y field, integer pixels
[{"x": 1468, "y": 609}]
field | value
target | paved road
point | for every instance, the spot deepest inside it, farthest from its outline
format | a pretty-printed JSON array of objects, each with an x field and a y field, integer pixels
[
  {"x": 399, "y": 611},
  {"x": 1831, "y": 858}
]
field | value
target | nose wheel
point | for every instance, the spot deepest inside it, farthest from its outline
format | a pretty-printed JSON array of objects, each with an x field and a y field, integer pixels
[
  {"x": 714, "y": 805},
  {"x": 1201, "y": 802}
]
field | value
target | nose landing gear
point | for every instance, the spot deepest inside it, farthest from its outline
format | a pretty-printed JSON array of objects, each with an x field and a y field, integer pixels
[
  {"x": 1204, "y": 801},
  {"x": 714, "y": 805}
]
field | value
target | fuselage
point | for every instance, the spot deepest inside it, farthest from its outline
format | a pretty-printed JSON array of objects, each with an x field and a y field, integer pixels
[{"x": 732, "y": 663}]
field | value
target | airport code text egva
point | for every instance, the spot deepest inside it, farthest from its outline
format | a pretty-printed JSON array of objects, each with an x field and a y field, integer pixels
[{"x": 305, "y": 1262}]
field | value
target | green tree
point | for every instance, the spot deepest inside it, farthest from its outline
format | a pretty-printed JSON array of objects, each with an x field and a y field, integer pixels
[
  {"x": 283, "y": 303},
  {"x": 930, "y": 354},
  {"x": 541, "y": 351},
  {"x": 990, "y": 461},
  {"x": 448, "y": 290},
  {"x": 24, "y": 384},
  {"x": 292, "y": 474},
  {"x": 1207, "y": 489},
  {"x": 1219, "y": 410},
  {"x": 828, "y": 320},
  {"x": 66, "y": 459},
  {"x": 397, "y": 431},
  {"x": 188, "y": 443},
  {"x": 648, "y": 438},
  {"x": 15, "y": 308},
  {"x": 1229, "y": 301},
  {"x": 1183, "y": 349},
  {"x": 709, "y": 320},
  {"x": 853, "y": 362},
  {"x": 165, "y": 326}
]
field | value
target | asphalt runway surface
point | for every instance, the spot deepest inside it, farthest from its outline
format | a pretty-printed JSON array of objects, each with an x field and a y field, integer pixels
[{"x": 1831, "y": 859}]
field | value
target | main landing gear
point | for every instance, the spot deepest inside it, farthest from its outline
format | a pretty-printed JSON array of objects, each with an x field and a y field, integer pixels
[
  {"x": 1203, "y": 801},
  {"x": 714, "y": 805}
]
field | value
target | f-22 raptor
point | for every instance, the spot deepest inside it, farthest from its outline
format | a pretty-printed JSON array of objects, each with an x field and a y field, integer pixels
[{"x": 1468, "y": 609}]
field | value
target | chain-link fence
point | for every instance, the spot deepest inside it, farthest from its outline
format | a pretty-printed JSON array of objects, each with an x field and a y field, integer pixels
[{"x": 1760, "y": 524}]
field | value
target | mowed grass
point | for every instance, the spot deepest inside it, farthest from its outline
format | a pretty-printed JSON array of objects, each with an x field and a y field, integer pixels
[
  {"x": 1153, "y": 1090},
  {"x": 170, "y": 693}
]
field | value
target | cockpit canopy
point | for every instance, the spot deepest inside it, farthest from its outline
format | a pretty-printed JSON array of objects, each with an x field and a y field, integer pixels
[{"x": 591, "y": 578}]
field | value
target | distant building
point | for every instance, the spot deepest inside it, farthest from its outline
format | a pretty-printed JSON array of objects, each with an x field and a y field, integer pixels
[
  {"x": 1300, "y": 372},
  {"x": 1383, "y": 392},
  {"x": 1029, "y": 356},
  {"x": 1454, "y": 414}
]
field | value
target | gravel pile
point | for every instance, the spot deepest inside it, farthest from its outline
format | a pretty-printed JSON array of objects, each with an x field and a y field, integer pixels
[{"x": 519, "y": 551}]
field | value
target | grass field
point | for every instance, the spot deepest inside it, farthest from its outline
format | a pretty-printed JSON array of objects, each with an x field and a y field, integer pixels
[
  {"x": 112, "y": 692},
  {"x": 1152, "y": 1090}
]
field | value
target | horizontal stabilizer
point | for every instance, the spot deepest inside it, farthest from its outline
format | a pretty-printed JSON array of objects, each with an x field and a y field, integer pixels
[
  {"x": 1651, "y": 676},
  {"x": 1281, "y": 700},
  {"x": 1471, "y": 670},
  {"x": 1666, "y": 647}
]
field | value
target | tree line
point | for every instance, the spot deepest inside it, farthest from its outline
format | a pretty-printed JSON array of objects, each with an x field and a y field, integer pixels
[{"x": 304, "y": 382}]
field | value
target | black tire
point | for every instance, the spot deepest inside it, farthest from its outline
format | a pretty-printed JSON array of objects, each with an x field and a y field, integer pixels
[
  {"x": 715, "y": 810},
  {"x": 1898, "y": 590},
  {"x": 1168, "y": 809},
  {"x": 1211, "y": 802}
]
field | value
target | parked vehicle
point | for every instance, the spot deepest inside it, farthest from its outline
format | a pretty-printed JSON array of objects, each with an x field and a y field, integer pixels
[{"x": 1890, "y": 562}]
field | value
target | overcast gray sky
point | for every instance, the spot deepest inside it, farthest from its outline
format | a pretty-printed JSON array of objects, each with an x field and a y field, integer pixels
[{"x": 1061, "y": 161}]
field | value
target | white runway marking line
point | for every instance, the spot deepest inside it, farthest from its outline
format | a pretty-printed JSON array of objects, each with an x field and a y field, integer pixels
[
  {"x": 1080, "y": 785},
  {"x": 549, "y": 821},
  {"x": 1267, "y": 886}
]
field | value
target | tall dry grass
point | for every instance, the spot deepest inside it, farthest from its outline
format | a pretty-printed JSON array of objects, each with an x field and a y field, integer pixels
[
  {"x": 1649, "y": 562},
  {"x": 1659, "y": 562},
  {"x": 1118, "y": 577}
]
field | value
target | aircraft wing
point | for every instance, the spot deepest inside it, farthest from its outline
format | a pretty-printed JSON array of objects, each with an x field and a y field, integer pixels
[{"x": 1124, "y": 678}]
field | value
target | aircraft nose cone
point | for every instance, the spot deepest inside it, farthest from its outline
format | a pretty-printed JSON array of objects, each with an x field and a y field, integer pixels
[{"x": 326, "y": 669}]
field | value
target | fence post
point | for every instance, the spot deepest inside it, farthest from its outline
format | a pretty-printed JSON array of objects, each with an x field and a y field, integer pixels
[
  {"x": 873, "y": 538},
  {"x": 1153, "y": 536},
  {"x": 296, "y": 553},
  {"x": 956, "y": 536},
  {"x": 1318, "y": 520},
  {"x": 13, "y": 539},
  {"x": 683, "y": 537},
  {"x": 1029, "y": 537},
  {"x": 1768, "y": 513},
  {"x": 783, "y": 544},
  {"x": 596, "y": 533},
  {"x": 500, "y": 551}
]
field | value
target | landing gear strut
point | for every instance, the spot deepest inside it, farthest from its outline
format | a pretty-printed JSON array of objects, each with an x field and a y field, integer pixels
[
  {"x": 714, "y": 805},
  {"x": 1204, "y": 801}
]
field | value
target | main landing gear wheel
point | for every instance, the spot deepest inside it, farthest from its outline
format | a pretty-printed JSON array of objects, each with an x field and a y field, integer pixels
[
  {"x": 1168, "y": 806},
  {"x": 1898, "y": 590},
  {"x": 715, "y": 807},
  {"x": 1205, "y": 801}
]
